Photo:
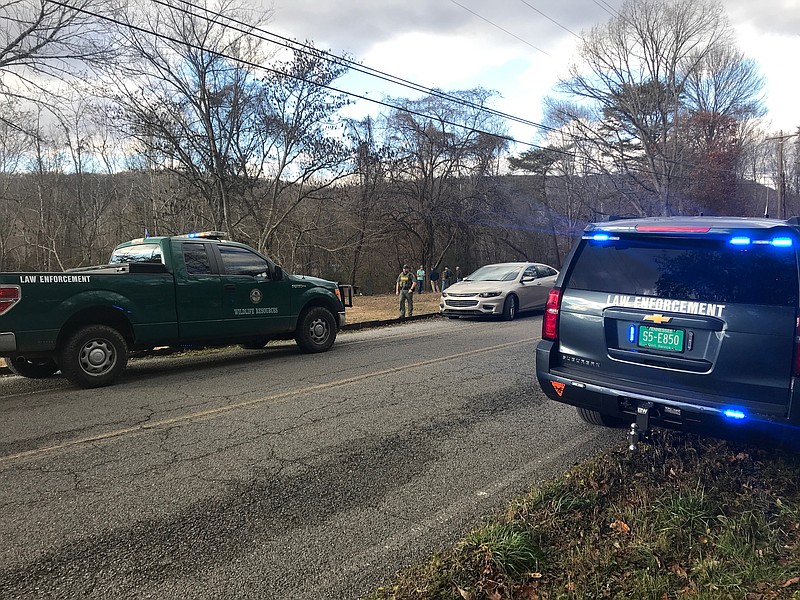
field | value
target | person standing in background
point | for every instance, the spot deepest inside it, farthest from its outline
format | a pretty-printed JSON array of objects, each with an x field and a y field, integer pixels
[
  {"x": 434, "y": 277},
  {"x": 447, "y": 278},
  {"x": 420, "y": 279},
  {"x": 459, "y": 274},
  {"x": 406, "y": 282}
]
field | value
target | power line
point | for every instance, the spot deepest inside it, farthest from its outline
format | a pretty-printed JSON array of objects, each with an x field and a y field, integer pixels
[
  {"x": 550, "y": 19},
  {"x": 606, "y": 7},
  {"x": 284, "y": 74},
  {"x": 493, "y": 24},
  {"x": 296, "y": 46},
  {"x": 340, "y": 60}
]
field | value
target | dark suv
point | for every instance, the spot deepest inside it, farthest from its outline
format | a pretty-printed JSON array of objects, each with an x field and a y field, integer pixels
[{"x": 685, "y": 322}]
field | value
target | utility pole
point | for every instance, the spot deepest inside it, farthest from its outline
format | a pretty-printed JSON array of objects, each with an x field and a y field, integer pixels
[{"x": 781, "y": 173}]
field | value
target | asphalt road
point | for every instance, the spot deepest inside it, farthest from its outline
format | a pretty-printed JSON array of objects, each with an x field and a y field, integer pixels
[{"x": 272, "y": 474}]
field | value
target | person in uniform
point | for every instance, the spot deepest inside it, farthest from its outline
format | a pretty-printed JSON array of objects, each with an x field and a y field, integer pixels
[{"x": 406, "y": 282}]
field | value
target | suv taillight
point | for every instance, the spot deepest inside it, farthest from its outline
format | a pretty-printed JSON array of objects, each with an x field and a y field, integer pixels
[
  {"x": 796, "y": 361},
  {"x": 550, "y": 320},
  {"x": 9, "y": 296}
]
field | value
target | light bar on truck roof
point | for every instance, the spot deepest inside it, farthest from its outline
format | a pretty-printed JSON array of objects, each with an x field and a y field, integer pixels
[
  {"x": 601, "y": 236},
  {"x": 206, "y": 235}
]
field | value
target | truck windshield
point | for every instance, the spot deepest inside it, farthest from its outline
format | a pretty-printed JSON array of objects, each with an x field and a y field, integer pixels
[{"x": 138, "y": 253}]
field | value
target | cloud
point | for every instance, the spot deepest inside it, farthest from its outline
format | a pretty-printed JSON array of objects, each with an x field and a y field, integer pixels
[
  {"x": 767, "y": 16},
  {"x": 356, "y": 26},
  {"x": 443, "y": 44}
]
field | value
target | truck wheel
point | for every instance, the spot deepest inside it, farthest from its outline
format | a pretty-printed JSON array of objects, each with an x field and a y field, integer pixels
[
  {"x": 510, "y": 308},
  {"x": 32, "y": 368},
  {"x": 316, "y": 330},
  {"x": 93, "y": 356},
  {"x": 595, "y": 418}
]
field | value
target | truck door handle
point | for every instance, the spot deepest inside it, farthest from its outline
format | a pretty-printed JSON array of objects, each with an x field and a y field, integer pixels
[{"x": 229, "y": 287}]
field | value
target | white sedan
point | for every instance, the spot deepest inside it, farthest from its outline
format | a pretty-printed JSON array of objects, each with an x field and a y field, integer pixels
[{"x": 504, "y": 289}]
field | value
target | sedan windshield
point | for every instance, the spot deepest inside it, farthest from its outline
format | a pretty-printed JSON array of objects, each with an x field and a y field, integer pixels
[{"x": 495, "y": 273}]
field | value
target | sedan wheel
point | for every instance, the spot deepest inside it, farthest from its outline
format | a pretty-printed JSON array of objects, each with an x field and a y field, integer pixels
[{"x": 510, "y": 308}]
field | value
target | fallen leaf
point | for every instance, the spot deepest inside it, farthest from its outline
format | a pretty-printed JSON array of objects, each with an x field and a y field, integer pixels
[
  {"x": 528, "y": 592},
  {"x": 678, "y": 570},
  {"x": 620, "y": 526},
  {"x": 465, "y": 594},
  {"x": 792, "y": 581}
]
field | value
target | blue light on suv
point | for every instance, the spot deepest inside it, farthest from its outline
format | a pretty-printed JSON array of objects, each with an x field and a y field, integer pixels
[{"x": 733, "y": 413}]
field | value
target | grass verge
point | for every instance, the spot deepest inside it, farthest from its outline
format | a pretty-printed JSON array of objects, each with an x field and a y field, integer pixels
[
  {"x": 385, "y": 307},
  {"x": 683, "y": 518}
]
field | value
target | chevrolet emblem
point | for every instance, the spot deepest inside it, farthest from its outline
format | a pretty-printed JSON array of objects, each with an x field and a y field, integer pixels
[{"x": 658, "y": 319}]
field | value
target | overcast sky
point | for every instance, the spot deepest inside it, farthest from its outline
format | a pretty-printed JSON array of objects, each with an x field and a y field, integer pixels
[{"x": 517, "y": 47}]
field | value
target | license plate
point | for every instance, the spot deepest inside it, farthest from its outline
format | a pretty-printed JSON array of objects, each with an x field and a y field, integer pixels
[{"x": 661, "y": 338}]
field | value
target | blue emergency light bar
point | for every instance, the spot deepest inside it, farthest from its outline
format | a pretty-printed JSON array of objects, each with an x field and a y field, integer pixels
[
  {"x": 734, "y": 413},
  {"x": 778, "y": 242}
]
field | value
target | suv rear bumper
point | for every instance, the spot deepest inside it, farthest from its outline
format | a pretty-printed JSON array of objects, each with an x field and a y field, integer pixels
[{"x": 669, "y": 409}]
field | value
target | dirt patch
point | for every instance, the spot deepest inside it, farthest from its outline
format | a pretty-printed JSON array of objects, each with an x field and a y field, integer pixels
[{"x": 384, "y": 307}]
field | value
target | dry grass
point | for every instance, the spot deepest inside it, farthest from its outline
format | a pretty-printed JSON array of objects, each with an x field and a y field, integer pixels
[
  {"x": 685, "y": 518},
  {"x": 385, "y": 307}
]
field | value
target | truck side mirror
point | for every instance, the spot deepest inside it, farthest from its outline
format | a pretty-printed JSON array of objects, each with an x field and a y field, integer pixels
[{"x": 277, "y": 273}]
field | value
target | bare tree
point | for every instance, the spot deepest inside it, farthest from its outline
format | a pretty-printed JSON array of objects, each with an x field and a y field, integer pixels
[
  {"x": 186, "y": 95},
  {"x": 371, "y": 166},
  {"x": 301, "y": 150},
  {"x": 46, "y": 40},
  {"x": 634, "y": 74},
  {"x": 13, "y": 146},
  {"x": 442, "y": 149}
]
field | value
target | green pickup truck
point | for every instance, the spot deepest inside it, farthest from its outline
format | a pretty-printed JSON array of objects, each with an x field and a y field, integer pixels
[{"x": 193, "y": 290}]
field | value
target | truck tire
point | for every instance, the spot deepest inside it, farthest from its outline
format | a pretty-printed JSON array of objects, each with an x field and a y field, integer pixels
[
  {"x": 595, "y": 418},
  {"x": 316, "y": 329},
  {"x": 32, "y": 368},
  {"x": 510, "y": 308},
  {"x": 93, "y": 356}
]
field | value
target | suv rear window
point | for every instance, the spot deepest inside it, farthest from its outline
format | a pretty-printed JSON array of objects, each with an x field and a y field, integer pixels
[{"x": 703, "y": 270}]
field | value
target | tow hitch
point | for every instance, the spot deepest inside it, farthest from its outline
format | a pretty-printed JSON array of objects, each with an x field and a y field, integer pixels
[{"x": 640, "y": 429}]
